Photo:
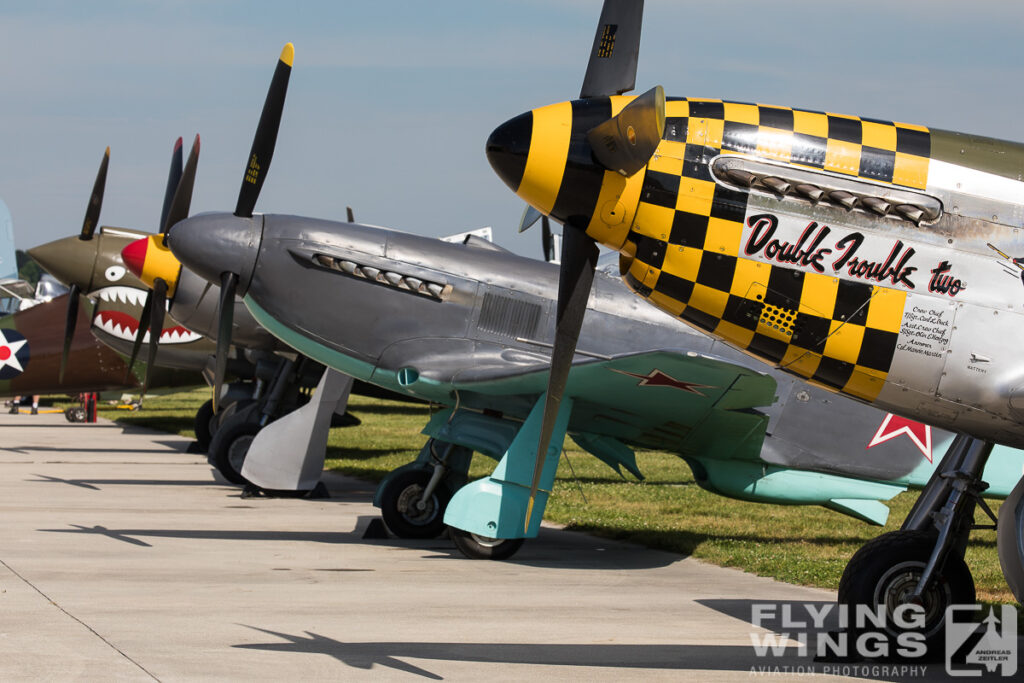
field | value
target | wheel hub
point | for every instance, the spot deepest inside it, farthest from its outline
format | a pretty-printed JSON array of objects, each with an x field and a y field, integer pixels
[
  {"x": 237, "y": 451},
  {"x": 408, "y": 505},
  {"x": 897, "y": 586}
]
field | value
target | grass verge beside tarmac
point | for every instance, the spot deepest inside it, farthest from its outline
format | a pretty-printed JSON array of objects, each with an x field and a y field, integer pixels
[{"x": 804, "y": 545}]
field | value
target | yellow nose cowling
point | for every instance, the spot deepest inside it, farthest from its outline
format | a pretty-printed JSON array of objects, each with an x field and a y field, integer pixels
[{"x": 149, "y": 259}]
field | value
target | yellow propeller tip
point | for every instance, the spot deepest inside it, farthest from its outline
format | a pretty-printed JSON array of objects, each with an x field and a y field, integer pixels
[
  {"x": 107, "y": 153},
  {"x": 288, "y": 54}
]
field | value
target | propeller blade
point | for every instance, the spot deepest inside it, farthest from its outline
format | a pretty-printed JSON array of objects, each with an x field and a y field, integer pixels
[
  {"x": 626, "y": 142},
  {"x": 575, "y": 279},
  {"x": 156, "y": 326},
  {"x": 530, "y": 216},
  {"x": 92, "y": 211},
  {"x": 173, "y": 178},
  {"x": 183, "y": 192},
  {"x": 613, "y": 57},
  {"x": 70, "y": 321},
  {"x": 225, "y": 312},
  {"x": 140, "y": 333},
  {"x": 266, "y": 136},
  {"x": 545, "y": 239},
  {"x": 348, "y": 214}
]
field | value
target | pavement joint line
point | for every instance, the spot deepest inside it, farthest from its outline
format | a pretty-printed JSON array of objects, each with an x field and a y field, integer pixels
[{"x": 72, "y": 616}]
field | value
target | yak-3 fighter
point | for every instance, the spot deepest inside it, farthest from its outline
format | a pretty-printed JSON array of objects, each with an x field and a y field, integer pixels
[
  {"x": 879, "y": 260},
  {"x": 470, "y": 326}
]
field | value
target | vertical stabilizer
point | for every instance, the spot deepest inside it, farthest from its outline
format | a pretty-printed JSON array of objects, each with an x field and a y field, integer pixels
[{"x": 8, "y": 262}]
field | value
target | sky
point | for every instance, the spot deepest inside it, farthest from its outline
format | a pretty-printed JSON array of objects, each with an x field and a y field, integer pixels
[{"x": 391, "y": 101}]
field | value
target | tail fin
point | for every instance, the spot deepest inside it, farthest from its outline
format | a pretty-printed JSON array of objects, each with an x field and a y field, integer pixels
[{"x": 8, "y": 262}]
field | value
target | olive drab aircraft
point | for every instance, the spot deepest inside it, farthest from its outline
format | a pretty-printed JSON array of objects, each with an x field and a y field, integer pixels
[
  {"x": 128, "y": 312},
  {"x": 32, "y": 348},
  {"x": 469, "y": 326},
  {"x": 32, "y": 341},
  {"x": 879, "y": 260}
]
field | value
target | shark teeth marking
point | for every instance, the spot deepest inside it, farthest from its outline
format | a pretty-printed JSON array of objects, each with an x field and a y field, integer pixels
[
  {"x": 123, "y": 326},
  {"x": 177, "y": 335},
  {"x": 126, "y": 295}
]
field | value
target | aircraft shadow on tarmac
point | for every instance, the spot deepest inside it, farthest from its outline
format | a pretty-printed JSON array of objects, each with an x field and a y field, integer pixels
[
  {"x": 554, "y": 549},
  {"x": 393, "y": 655},
  {"x": 95, "y": 484}
]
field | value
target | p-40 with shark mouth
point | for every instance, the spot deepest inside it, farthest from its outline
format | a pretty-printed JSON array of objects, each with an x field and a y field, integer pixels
[{"x": 96, "y": 268}]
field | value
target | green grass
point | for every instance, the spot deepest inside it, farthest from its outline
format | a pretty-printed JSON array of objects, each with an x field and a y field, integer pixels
[{"x": 798, "y": 544}]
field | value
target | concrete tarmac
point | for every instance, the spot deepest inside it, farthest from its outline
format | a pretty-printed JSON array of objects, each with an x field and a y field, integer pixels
[{"x": 122, "y": 557}]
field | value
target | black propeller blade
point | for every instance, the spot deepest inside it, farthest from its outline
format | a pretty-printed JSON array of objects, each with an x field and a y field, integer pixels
[
  {"x": 182, "y": 201},
  {"x": 71, "y": 318},
  {"x": 177, "y": 199},
  {"x": 266, "y": 135},
  {"x": 613, "y": 57},
  {"x": 547, "y": 242},
  {"x": 348, "y": 214},
  {"x": 92, "y": 217},
  {"x": 575, "y": 279},
  {"x": 92, "y": 211},
  {"x": 530, "y": 216},
  {"x": 173, "y": 179},
  {"x": 144, "y": 317},
  {"x": 255, "y": 173},
  {"x": 610, "y": 71},
  {"x": 228, "y": 284},
  {"x": 156, "y": 326}
]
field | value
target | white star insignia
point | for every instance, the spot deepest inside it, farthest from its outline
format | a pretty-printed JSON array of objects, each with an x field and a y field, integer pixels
[{"x": 12, "y": 348}]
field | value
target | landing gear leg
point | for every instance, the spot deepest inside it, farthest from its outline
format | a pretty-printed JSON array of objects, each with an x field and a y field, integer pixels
[
  {"x": 229, "y": 445},
  {"x": 923, "y": 563}
]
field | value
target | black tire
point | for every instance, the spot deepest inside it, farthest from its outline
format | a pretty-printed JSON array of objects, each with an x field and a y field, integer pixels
[
  {"x": 398, "y": 505},
  {"x": 229, "y": 447},
  {"x": 483, "y": 547},
  {"x": 205, "y": 425},
  {"x": 886, "y": 570},
  {"x": 1010, "y": 535},
  {"x": 75, "y": 415}
]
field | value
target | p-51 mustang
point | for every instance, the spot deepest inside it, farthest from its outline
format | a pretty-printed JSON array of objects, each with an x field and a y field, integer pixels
[
  {"x": 879, "y": 260},
  {"x": 470, "y": 326}
]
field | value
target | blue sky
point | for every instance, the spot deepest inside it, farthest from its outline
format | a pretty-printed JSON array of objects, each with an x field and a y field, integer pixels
[{"x": 391, "y": 101}]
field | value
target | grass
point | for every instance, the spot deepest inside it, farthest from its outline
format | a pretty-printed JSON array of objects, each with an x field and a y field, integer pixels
[{"x": 797, "y": 544}]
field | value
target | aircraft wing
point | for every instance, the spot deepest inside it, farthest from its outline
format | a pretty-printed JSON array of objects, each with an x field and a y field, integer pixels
[{"x": 685, "y": 402}]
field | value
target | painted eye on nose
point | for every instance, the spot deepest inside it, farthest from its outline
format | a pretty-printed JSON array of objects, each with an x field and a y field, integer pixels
[{"x": 114, "y": 273}]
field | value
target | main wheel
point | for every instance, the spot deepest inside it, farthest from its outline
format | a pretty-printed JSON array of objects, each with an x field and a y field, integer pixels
[
  {"x": 75, "y": 415},
  {"x": 477, "y": 547},
  {"x": 229, "y": 447},
  {"x": 885, "y": 571},
  {"x": 205, "y": 425},
  {"x": 401, "y": 512}
]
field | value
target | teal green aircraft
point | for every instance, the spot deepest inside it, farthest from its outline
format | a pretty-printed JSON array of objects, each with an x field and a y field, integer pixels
[{"x": 878, "y": 260}]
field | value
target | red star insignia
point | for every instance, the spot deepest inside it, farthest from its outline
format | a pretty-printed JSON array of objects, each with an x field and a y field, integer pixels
[
  {"x": 657, "y": 378},
  {"x": 893, "y": 426}
]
